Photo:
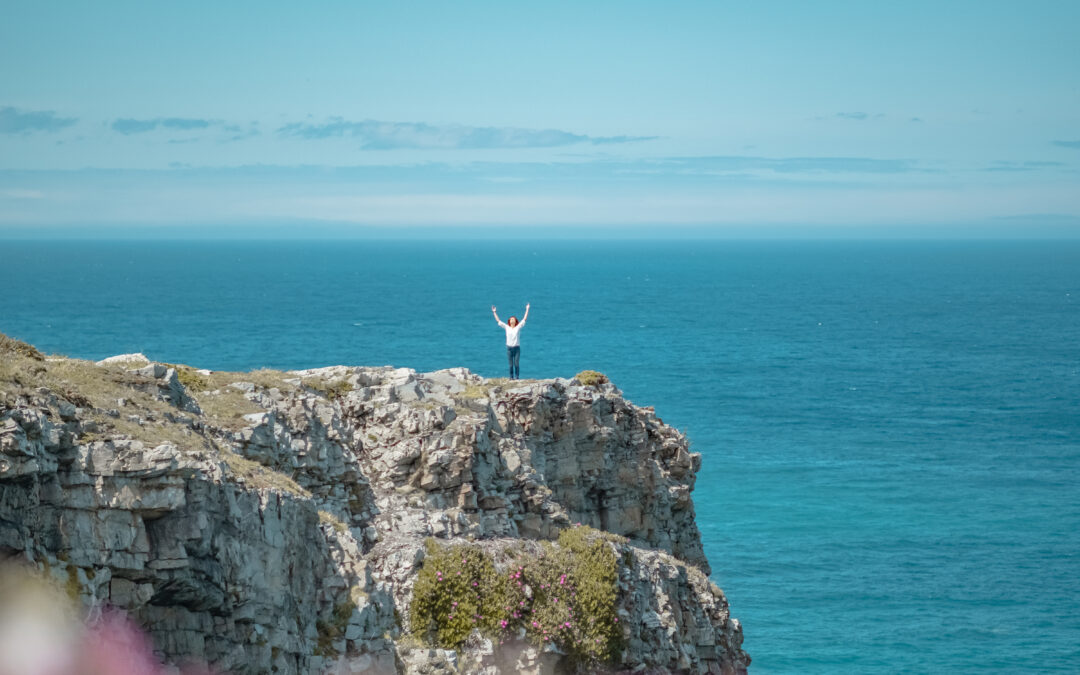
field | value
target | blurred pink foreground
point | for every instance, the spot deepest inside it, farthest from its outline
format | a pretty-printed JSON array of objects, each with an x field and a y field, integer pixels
[{"x": 41, "y": 634}]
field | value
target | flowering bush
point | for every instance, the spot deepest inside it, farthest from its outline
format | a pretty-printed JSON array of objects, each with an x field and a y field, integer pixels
[
  {"x": 454, "y": 594},
  {"x": 564, "y": 596}
]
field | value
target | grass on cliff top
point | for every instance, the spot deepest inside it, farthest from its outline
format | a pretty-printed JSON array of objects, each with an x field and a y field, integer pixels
[
  {"x": 330, "y": 388},
  {"x": 19, "y": 348},
  {"x": 225, "y": 408},
  {"x": 258, "y": 476},
  {"x": 80, "y": 382},
  {"x": 264, "y": 378},
  {"x": 491, "y": 386},
  {"x": 99, "y": 389}
]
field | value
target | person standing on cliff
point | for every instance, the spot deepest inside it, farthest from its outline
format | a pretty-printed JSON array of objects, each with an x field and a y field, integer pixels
[{"x": 513, "y": 340}]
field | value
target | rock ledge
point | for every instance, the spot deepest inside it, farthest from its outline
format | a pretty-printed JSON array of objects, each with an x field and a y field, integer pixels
[{"x": 275, "y": 521}]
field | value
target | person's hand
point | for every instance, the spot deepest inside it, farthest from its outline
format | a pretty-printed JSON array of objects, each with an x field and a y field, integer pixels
[
  {"x": 526, "y": 305},
  {"x": 493, "y": 308}
]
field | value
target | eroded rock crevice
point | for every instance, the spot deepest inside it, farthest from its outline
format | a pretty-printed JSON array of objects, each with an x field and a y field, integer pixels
[{"x": 275, "y": 522}]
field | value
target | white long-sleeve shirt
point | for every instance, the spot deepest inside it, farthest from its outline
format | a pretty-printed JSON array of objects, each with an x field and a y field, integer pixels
[{"x": 512, "y": 337}]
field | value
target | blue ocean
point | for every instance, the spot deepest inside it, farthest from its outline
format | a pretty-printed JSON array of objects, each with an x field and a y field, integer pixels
[{"x": 890, "y": 429}]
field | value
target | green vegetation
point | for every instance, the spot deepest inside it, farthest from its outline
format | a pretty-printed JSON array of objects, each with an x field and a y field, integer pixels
[
  {"x": 193, "y": 380},
  {"x": 565, "y": 596},
  {"x": 591, "y": 378},
  {"x": 331, "y": 389},
  {"x": 332, "y": 628},
  {"x": 457, "y": 590}
]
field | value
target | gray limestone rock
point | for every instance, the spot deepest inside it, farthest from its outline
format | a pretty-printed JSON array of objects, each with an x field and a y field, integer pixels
[{"x": 286, "y": 536}]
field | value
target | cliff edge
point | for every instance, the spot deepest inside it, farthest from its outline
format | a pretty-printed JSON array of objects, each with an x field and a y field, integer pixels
[{"x": 280, "y": 521}]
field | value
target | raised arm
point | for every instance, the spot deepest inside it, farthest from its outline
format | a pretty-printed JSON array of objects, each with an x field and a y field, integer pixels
[
  {"x": 493, "y": 313},
  {"x": 526, "y": 317}
]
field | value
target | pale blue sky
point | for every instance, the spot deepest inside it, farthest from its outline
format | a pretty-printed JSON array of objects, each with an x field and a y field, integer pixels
[{"x": 720, "y": 114}]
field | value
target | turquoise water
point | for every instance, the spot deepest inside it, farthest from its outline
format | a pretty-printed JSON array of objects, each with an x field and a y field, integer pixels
[{"x": 891, "y": 430}]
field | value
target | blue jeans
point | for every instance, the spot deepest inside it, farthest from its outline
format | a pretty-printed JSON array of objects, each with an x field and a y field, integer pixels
[{"x": 514, "y": 356}]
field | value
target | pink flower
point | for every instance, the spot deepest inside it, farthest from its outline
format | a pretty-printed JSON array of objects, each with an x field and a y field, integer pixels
[{"x": 115, "y": 645}]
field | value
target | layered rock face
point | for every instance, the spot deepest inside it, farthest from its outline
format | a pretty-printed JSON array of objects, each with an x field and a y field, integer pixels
[{"x": 275, "y": 522}]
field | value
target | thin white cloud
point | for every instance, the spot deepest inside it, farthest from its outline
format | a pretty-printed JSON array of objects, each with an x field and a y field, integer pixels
[{"x": 379, "y": 135}]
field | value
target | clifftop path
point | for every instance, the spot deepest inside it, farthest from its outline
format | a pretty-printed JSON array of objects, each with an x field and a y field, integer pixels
[{"x": 276, "y": 521}]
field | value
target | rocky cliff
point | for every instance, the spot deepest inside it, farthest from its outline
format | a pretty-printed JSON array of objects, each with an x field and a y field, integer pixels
[{"x": 276, "y": 521}]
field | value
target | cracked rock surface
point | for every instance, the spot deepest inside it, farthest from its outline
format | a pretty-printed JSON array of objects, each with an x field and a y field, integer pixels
[{"x": 275, "y": 521}]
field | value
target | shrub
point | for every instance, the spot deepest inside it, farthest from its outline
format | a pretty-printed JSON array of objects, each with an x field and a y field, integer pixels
[
  {"x": 591, "y": 378},
  {"x": 565, "y": 596},
  {"x": 455, "y": 592},
  {"x": 192, "y": 379}
]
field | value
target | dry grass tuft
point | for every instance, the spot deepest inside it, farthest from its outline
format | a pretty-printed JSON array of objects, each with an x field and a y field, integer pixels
[
  {"x": 12, "y": 346},
  {"x": 151, "y": 432},
  {"x": 331, "y": 389},
  {"x": 263, "y": 379},
  {"x": 474, "y": 391},
  {"x": 142, "y": 417},
  {"x": 225, "y": 408},
  {"x": 333, "y": 521},
  {"x": 259, "y": 476}
]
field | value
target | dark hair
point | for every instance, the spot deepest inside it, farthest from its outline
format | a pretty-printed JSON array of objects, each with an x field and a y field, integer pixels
[{"x": 512, "y": 321}]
